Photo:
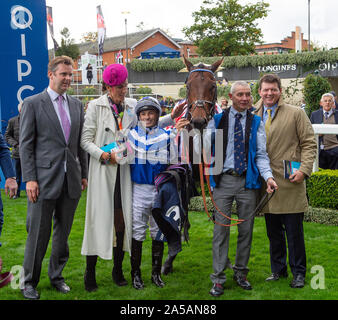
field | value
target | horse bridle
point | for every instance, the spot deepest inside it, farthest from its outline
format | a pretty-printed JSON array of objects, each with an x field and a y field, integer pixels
[{"x": 201, "y": 103}]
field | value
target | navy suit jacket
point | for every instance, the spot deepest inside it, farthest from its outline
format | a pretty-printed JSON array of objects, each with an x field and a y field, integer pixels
[{"x": 5, "y": 159}]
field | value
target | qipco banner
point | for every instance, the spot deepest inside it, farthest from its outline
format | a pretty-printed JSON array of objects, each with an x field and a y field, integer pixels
[{"x": 23, "y": 53}]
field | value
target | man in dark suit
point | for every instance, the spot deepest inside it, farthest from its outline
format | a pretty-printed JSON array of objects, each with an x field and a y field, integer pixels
[
  {"x": 9, "y": 173},
  {"x": 12, "y": 138},
  {"x": 328, "y": 143},
  {"x": 54, "y": 168}
]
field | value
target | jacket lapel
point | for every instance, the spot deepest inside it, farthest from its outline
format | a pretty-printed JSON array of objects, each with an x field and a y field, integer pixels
[{"x": 73, "y": 117}]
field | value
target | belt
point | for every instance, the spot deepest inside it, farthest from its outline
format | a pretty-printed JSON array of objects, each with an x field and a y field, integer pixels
[{"x": 233, "y": 173}]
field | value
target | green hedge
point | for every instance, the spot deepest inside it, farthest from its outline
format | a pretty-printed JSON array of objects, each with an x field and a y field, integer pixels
[
  {"x": 317, "y": 215},
  {"x": 322, "y": 189},
  {"x": 308, "y": 59}
]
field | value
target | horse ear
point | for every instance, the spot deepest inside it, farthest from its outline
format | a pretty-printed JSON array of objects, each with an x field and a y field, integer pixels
[
  {"x": 216, "y": 65},
  {"x": 188, "y": 64}
]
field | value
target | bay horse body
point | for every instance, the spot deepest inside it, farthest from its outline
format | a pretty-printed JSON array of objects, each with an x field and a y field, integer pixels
[{"x": 201, "y": 103}]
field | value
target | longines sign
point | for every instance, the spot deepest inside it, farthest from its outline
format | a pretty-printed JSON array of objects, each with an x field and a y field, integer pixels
[
  {"x": 325, "y": 66},
  {"x": 328, "y": 66},
  {"x": 278, "y": 68}
]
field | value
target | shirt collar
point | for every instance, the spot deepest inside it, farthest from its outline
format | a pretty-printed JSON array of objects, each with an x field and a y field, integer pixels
[
  {"x": 273, "y": 108},
  {"x": 330, "y": 112},
  {"x": 233, "y": 112},
  {"x": 54, "y": 95}
]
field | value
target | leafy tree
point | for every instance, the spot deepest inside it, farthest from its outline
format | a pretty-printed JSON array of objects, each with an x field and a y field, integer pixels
[
  {"x": 224, "y": 27},
  {"x": 68, "y": 46},
  {"x": 314, "y": 87}
]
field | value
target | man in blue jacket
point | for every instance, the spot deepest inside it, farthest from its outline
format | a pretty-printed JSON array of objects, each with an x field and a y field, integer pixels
[
  {"x": 9, "y": 173},
  {"x": 244, "y": 160}
]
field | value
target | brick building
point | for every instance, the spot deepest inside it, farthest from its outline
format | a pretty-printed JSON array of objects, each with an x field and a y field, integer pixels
[
  {"x": 115, "y": 47},
  {"x": 296, "y": 42}
]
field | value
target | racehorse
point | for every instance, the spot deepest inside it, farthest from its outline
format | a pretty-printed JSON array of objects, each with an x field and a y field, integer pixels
[
  {"x": 201, "y": 93},
  {"x": 200, "y": 108},
  {"x": 201, "y": 100}
]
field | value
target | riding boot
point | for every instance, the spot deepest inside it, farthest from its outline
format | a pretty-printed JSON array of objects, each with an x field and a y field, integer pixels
[
  {"x": 118, "y": 253},
  {"x": 168, "y": 265},
  {"x": 135, "y": 261},
  {"x": 157, "y": 255},
  {"x": 89, "y": 276}
]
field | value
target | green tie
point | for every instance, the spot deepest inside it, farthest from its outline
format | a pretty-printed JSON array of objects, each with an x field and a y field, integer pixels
[{"x": 268, "y": 123}]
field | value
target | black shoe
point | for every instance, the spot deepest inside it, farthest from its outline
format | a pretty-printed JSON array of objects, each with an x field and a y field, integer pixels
[
  {"x": 298, "y": 281},
  {"x": 29, "y": 292},
  {"x": 119, "y": 278},
  {"x": 137, "y": 281},
  {"x": 118, "y": 253},
  {"x": 275, "y": 276},
  {"x": 242, "y": 282},
  {"x": 216, "y": 290},
  {"x": 61, "y": 287},
  {"x": 90, "y": 281},
  {"x": 156, "y": 279},
  {"x": 168, "y": 265}
]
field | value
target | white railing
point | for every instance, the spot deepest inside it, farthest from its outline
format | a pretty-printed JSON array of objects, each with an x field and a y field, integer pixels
[{"x": 322, "y": 129}]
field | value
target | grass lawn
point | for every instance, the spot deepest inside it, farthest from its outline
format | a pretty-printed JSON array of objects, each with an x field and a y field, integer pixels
[{"x": 193, "y": 265}]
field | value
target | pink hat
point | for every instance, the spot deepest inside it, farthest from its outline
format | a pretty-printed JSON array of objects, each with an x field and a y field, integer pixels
[{"x": 115, "y": 74}]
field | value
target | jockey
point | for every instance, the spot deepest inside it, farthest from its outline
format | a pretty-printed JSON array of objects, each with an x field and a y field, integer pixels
[{"x": 154, "y": 148}]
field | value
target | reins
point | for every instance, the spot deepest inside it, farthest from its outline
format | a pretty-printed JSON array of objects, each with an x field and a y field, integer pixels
[
  {"x": 265, "y": 199},
  {"x": 213, "y": 202},
  {"x": 201, "y": 103}
]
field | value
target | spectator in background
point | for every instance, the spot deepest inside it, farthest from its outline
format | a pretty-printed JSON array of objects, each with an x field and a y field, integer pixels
[
  {"x": 335, "y": 105},
  {"x": 12, "y": 138},
  {"x": 163, "y": 106},
  {"x": 224, "y": 103},
  {"x": 9, "y": 173},
  {"x": 328, "y": 143},
  {"x": 89, "y": 73}
]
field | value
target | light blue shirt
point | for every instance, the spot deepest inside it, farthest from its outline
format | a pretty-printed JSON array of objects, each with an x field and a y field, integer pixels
[
  {"x": 265, "y": 113},
  {"x": 262, "y": 159}
]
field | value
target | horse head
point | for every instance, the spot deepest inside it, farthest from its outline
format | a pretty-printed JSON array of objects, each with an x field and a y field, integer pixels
[{"x": 201, "y": 92}]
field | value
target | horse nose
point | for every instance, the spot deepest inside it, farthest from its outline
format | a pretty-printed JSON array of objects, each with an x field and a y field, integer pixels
[{"x": 199, "y": 123}]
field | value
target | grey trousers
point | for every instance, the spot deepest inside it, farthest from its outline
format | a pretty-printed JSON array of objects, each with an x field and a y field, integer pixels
[
  {"x": 232, "y": 188},
  {"x": 39, "y": 224}
]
